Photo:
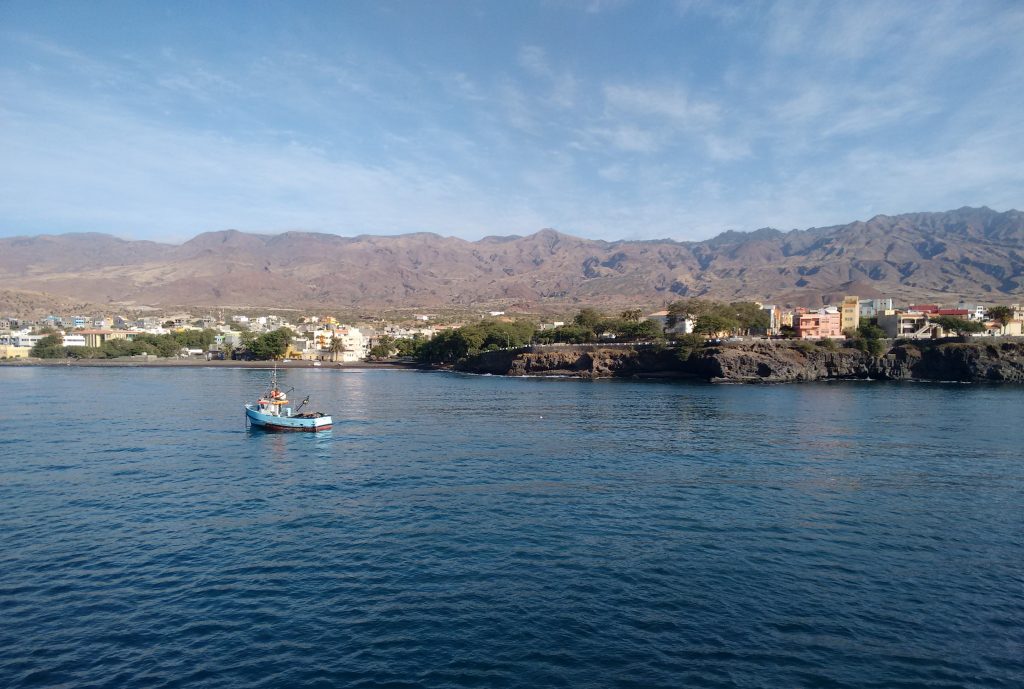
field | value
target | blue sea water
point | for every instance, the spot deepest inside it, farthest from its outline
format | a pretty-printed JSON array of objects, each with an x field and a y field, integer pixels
[{"x": 466, "y": 531}]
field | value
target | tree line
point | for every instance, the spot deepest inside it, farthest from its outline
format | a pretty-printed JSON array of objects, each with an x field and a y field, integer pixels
[
  {"x": 590, "y": 325},
  {"x": 272, "y": 345},
  {"x": 52, "y": 346}
]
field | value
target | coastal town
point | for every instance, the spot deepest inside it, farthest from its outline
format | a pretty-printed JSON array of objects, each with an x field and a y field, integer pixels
[{"x": 324, "y": 338}]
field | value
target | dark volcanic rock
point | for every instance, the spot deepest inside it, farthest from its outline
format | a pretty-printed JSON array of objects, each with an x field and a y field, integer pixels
[{"x": 768, "y": 362}]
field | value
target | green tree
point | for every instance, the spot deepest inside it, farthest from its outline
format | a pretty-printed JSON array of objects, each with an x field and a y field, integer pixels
[
  {"x": 643, "y": 331},
  {"x": 567, "y": 334},
  {"x": 868, "y": 337},
  {"x": 960, "y": 326},
  {"x": 713, "y": 324},
  {"x": 86, "y": 353},
  {"x": 384, "y": 348},
  {"x": 49, "y": 347},
  {"x": 409, "y": 346},
  {"x": 741, "y": 316},
  {"x": 632, "y": 315},
  {"x": 337, "y": 347},
  {"x": 195, "y": 339},
  {"x": 687, "y": 308},
  {"x": 687, "y": 345},
  {"x": 1001, "y": 315},
  {"x": 588, "y": 318},
  {"x": 750, "y": 316},
  {"x": 452, "y": 345},
  {"x": 870, "y": 331},
  {"x": 876, "y": 347},
  {"x": 272, "y": 345}
]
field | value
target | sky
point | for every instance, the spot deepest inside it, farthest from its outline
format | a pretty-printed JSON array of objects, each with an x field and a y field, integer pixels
[{"x": 607, "y": 119}]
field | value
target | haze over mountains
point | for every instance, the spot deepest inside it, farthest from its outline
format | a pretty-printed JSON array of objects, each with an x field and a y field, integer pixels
[{"x": 973, "y": 253}]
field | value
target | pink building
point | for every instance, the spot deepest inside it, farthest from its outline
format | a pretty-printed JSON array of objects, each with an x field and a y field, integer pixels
[{"x": 814, "y": 326}]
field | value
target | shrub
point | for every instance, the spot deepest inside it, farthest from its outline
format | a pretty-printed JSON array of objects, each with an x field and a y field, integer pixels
[
  {"x": 875, "y": 347},
  {"x": 687, "y": 345}
]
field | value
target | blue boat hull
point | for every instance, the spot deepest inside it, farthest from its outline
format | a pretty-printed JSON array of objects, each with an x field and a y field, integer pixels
[{"x": 271, "y": 422}]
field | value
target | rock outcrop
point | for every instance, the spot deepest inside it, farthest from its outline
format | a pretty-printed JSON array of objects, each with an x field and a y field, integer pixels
[{"x": 767, "y": 362}]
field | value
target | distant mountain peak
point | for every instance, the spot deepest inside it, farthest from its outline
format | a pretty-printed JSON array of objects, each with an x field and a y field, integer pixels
[{"x": 975, "y": 253}]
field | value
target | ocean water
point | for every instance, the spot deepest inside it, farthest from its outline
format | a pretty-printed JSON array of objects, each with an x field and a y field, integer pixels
[{"x": 466, "y": 531}]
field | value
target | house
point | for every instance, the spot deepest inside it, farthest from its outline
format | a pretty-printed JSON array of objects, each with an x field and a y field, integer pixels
[
  {"x": 354, "y": 346},
  {"x": 869, "y": 308},
  {"x": 149, "y": 323},
  {"x": 1015, "y": 326},
  {"x": 96, "y": 337},
  {"x": 10, "y": 351},
  {"x": 911, "y": 325},
  {"x": 850, "y": 313},
  {"x": 976, "y": 312},
  {"x": 74, "y": 340},
  {"x": 682, "y": 327},
  {"x": 774, "y": 318},
  {"x": 25, "y": 340},
  {"x": 824, "y": 323}
]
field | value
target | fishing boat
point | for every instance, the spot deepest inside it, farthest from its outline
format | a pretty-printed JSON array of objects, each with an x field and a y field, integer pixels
[{"x": 272, "y": 412}]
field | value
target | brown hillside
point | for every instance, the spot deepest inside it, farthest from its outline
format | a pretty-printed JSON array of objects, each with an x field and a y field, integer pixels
[{"x": 974, "y": 253}]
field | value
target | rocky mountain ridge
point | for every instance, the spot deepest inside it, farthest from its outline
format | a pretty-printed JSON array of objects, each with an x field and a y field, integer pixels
[{"x": 971, "y": 253}]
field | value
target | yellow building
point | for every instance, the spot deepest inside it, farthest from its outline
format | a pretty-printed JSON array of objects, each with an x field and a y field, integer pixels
[
  {"x": 96, "y": 338},
  {"x": 850, "y": 313},
  {"x": 14, "y": 352}
]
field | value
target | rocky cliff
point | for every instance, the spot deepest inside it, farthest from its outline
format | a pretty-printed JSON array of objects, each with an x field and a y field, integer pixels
[{"x": 768, "y": 362}]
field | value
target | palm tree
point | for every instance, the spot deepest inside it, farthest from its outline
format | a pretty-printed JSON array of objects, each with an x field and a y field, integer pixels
[
  {"x": 337, "y": 347},
  {"x": 1001, "y": 315}
]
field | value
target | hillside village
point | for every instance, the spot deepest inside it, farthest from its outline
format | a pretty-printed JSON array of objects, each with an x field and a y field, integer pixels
[{"x": 317, "y": 338}]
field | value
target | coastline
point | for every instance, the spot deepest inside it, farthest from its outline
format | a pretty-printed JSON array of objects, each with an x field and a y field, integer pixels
[
  {"x": 955, "y": 360},
  {"x": 196, "y": 363}
]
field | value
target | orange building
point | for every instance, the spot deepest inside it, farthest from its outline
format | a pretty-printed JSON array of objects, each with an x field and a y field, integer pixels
[{"x": 818, "y": 325}]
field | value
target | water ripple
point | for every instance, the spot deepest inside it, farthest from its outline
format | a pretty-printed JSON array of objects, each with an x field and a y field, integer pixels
[{"x": 463, "y": 531}]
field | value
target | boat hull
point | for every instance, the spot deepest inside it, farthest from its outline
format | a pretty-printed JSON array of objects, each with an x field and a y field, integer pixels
[{"x": 269, "y": 422}]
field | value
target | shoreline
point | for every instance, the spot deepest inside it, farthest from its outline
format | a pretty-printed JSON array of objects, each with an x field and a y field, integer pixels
[{"x": 223, "y": 363}]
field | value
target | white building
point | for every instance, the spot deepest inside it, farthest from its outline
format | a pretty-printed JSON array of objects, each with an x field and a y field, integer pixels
[
  {"x": 72, "y": 340},
  {"x": 870, "y": 308},
  {"x": 976, "y": 312},
  {"x": 23, "y": 339},
  {"x": 354, "y": 345}
]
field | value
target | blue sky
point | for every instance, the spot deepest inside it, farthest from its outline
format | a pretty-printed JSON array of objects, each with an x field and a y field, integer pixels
[{"x": 601, "y": 118}]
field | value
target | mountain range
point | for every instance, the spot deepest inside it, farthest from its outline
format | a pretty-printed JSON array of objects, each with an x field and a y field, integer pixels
[{"x": 970, "y": 253}]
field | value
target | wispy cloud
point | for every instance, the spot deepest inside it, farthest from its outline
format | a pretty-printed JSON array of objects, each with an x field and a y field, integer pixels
[
  {"x": 563, "y": 84},
  {"x": 670, "y": 103},
  {"x": 705, "y": 116}
]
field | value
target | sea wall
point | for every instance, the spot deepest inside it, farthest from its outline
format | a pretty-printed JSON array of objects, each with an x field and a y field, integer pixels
[{"x": 767, "y": 362}]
